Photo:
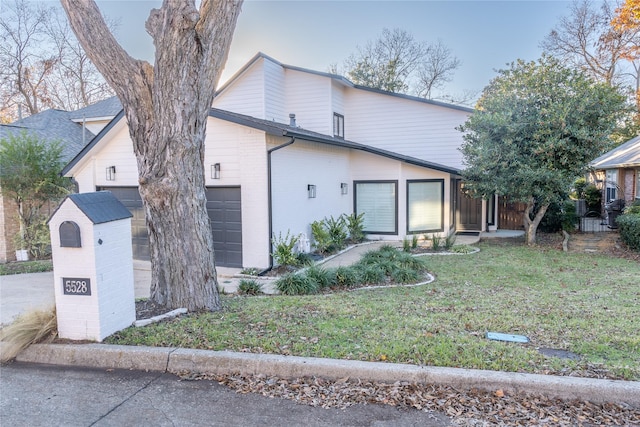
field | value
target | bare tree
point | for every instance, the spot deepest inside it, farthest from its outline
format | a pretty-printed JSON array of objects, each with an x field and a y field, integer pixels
[
  {"x": 43, "y": 64},
  {"x": 74, "y": 82},
  {"x": 586, "y": 40},
  {"x": 25, "y": 65},
  {"x": 166, "y": 106},
  {"x": 386, "y": 63},
  {"x": 436, "y": 68},
  {"x": 396, "y": 62}
]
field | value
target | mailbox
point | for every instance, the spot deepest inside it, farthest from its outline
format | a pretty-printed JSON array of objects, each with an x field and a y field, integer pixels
[{"x": 92, "y": 266}]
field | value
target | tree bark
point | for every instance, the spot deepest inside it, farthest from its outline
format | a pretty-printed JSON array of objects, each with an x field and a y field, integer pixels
[
  {"x": 531, "y": 225},
  {"x": 167, "y": 106}
]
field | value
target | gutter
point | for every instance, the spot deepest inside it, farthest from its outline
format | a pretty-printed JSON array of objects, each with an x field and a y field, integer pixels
[{"x": 269, "y": 192}]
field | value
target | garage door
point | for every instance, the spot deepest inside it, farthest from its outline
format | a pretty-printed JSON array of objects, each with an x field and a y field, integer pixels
[{"x": 225, "y": 214}]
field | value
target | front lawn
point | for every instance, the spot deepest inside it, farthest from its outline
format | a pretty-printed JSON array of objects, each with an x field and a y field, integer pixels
[{"x": 586, "y": 304}]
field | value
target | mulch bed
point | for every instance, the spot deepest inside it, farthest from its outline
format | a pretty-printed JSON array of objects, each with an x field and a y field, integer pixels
[{"x": 146, "y": 309}]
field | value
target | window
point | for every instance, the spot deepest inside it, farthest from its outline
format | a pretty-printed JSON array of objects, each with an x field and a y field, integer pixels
[
  {"x": 611, "y": 185},
  {"x": 425, "y": 205},
  {"x": 637, "y": 183},
  {"x": 491, "y": 210},
  {"x": 338, "y": 125},
  {"x": 378, "y": 200}
]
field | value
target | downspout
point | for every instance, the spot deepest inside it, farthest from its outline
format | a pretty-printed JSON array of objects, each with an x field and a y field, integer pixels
[{"x": 269, "y": 192}]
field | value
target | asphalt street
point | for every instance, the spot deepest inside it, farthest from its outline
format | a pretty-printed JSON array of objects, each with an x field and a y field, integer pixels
[{"x": 37, "y": 395}]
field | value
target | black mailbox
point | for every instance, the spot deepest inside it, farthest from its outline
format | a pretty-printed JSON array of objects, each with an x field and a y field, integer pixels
[{"x": 70, "y": 235}]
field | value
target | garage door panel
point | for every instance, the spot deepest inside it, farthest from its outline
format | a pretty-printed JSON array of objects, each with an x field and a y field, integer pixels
[{"x": 223, "y": 207}]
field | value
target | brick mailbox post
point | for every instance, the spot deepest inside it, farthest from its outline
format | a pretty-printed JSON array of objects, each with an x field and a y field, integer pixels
[{"x": 92, "y": 266}]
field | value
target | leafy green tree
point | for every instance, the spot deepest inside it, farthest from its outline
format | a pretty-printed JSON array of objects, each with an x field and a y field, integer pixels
[
  {"x": 30, "y": 175},
  {"x": 536, "y": 126}
]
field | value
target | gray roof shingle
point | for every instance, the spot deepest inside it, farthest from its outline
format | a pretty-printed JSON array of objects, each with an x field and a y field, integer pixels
[
  {"x": 59, "y": 125},
  {"x": 100, "y": 207},
  {"x": 626, "y": 155}
]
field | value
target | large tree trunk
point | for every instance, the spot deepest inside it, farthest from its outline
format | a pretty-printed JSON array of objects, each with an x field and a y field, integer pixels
[
  {"x": 531, "y": 225},
  {"x": 166, "y": 108}
]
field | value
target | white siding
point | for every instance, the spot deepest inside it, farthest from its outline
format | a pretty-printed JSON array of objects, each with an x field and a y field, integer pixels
[
  {"x": 242, "y": 155},
  {"x": 404, "y": 126},
  {"x": 275, "y": 93},
  {"x": 246, "y": 95},
  {"x": 309, "y": 98},
  {"x": 293, "y": 169}
]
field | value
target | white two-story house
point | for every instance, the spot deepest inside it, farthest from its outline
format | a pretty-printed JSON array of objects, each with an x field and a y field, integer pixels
[{"x": 287, "y": 146}]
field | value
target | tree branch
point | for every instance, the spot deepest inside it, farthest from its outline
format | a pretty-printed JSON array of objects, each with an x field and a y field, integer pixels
[{"x": 109, "y": 57}]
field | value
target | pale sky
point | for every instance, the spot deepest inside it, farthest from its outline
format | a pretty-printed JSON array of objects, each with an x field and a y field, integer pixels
[{"x": 484, "y": 35}]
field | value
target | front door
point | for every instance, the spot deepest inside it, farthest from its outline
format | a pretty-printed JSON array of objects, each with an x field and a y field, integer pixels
[{"x": 469, "y": 211}]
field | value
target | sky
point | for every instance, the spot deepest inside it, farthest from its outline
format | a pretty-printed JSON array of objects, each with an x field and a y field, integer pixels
[{"x": 484, "y": 35}]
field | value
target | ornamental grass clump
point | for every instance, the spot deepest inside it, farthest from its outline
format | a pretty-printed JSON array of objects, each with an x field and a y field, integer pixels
[
  {"x": 249, "y": 287},
  {"x": 296, "y": 284},
  {"x": 30, "y": 328},
  {"x": 322, "y": 277}
]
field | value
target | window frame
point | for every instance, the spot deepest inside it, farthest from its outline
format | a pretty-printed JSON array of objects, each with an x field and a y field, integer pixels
[
  {"x": 355, "y": 203},
  {"x": 610, "y": 185},
  {"x": 434, "y": 230},
  {"x": 338, "y": 124}
]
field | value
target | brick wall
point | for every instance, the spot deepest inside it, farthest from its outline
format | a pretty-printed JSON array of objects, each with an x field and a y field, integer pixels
[{"x": 9, "y": 227}]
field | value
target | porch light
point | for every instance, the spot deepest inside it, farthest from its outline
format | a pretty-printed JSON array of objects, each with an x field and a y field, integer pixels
[
  {"x": 215, "y": 171},
  {"x": 311, "y": 191},
  {"x": 344, "y": 188},
  {"x": 111, "y": 173}
]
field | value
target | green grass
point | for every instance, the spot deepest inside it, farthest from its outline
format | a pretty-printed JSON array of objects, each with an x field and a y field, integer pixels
[
  {"x": 26, "y": 267},
  {"x": 588, "y": 304}
]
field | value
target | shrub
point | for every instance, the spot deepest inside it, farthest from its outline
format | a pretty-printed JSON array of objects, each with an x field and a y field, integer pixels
[
  {"x": 249, "y": 287},
  {"x": 304, "y": 259},
  {"x": 347, "y": 277},
  {"x": 414, "y": 241},
  {"x": 283, "y": 253},
  {"x": 406, "y": 245},
  {"x": 559, "y": 216},
  {"x": 250, "y": 271},
  {"x": 322, "y": 277},
  {"x": 629, "y": 227},
  {"x": 405, "y": 275},
  {"x": 296, "y": 284},
  {"x": 337, "y": 231},
  {"x": 322, "y": 241},
  {"x": 449, "y": 241},
  {"x": 355, "y": 226},
  {"x": 371, "y": 274},
  {"x": 593, "y": 198},
  {"x": 436, "y": 242}
]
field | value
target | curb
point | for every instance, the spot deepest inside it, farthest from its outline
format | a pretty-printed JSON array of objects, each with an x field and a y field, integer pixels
[{"x": 175, "y": 360}]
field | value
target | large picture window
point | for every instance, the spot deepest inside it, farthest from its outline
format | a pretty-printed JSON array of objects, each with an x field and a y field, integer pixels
[
  {"x": 378, "y": 200},
  {"x": 425, "y": 206}
]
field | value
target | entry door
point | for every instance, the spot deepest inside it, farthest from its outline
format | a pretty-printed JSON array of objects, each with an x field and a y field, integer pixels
[{"x": 469, "y": 211}]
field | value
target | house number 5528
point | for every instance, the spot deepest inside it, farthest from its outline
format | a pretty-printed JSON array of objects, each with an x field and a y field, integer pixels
[{"x": 76, "y": 286}]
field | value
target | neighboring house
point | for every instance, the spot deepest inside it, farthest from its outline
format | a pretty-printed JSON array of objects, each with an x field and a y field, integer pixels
[
  {"x": 73, "y": 129},
  {"x": 619, "y": 172},
  {"x": 287, "y": 146}
]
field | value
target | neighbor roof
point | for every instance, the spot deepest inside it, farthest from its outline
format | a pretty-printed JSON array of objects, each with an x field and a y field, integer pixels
[
  {"x": 626, "y": 155},
  {"x": 52, "y": 125},
  {"x": 281, "y": 129},
  {"x": 109, "y": 107}
]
